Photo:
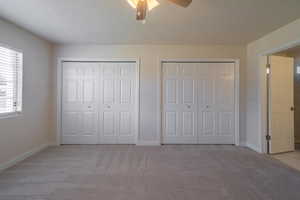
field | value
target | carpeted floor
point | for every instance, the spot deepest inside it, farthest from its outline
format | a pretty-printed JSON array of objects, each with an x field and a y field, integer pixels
[{"x": 150, "y": 173}]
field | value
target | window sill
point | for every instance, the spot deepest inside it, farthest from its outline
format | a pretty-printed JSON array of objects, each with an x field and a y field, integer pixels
[{"x": 10, "y": 115}]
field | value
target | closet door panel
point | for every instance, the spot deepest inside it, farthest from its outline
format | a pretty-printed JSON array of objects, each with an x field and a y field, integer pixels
[
  {"x": 216, "y": 104},
  {"x": 179, "y": 103},
  {"x": 117, "y": 104},
  {"x": 79, "y": 103}
]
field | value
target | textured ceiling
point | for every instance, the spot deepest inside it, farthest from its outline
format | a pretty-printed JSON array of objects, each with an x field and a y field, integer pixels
[{"x": 113, "y": 21}]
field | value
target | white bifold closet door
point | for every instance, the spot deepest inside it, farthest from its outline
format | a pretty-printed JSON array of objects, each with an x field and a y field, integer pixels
[
  {"x": 117, "y": 103},
  {"x": 198, "y": 103},
  {"x": 180, "y": 103},
  {"x": 99, "y": 103},
  {"x": 79, "y": 103}
]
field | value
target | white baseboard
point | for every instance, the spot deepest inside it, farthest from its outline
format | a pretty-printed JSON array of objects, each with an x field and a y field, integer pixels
[
  {"x": 250, "y": 146},
  {"x": 148, "y": 143},
  {"x": 22, "y": 157},
  {"x": 53, "y": 144},
  {"x": 243, "y": 144},
  {"x": 254, "y": 148}
]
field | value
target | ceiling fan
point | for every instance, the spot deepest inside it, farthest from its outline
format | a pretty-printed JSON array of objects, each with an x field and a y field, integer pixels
[{"x": 142, "y": 6}]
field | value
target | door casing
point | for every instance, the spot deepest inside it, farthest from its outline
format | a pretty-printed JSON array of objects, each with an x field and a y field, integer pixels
[
  {"x": 59, "y": 91},
  {"x": 201, "y": 60},
  {"x": 262, "y": 92}
]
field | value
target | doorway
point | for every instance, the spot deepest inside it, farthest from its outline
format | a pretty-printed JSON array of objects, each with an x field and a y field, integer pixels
[{"x": 283, "y": 98}]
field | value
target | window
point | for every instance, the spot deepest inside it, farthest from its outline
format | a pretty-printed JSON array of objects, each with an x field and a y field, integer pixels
[{"x": 11, "y": 63}]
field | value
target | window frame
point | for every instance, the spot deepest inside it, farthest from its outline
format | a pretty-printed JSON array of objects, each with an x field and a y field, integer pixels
[{"x": 19, "y": 86}]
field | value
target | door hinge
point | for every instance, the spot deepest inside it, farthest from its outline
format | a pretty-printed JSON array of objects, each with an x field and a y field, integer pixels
[
  {"x": 268, "y": 67},
  {"x": 292, "y": 108},
  {"x": 268, "y": 137}
]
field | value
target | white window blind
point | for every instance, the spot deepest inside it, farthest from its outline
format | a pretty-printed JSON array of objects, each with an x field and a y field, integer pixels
[{"x": 11, "y": 63}]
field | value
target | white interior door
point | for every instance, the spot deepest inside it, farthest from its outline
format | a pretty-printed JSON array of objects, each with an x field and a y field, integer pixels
[
  {"x": 79, "y": 103},
  {"x": 180, "y": 103},
  {"x": 281, "y": 102},
  {"x": 117, "y": 103},
  {"x": 216, "y": 103},
  {"x": 198, "y": 103}
]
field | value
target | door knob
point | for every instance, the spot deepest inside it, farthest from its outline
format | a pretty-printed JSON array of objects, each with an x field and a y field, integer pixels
[
  {"x": 188, "y": 106},
  {"x": 108, "y": 106}
]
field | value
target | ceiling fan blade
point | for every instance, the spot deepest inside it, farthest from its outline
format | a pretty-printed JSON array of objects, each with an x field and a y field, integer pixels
[
  {"x": 183, "y": 3},
  {"x": 141, "y": 9}
]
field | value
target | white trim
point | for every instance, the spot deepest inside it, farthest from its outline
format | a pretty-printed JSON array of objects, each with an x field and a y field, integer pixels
[
  {"x": 250, "y": 146},
  {"x": 52, "y": 144},
  {"x": 254, "y": 147},
  {"x": 243, "y": 144},
  {"x": 201, "y": 60},
  {"x": 59, "y": 90},
  {"x": 148, "y": 143},
  {"x": 138, "y": 65},
  {"x": 10, "y": 115},
  {"x": 159, "y": 101},
  {"x": 237, "y": 101},
  {"x": 22, "y": 157},
  {"x": 262, "y": 89},
  {"x": 58, "y": 101}
]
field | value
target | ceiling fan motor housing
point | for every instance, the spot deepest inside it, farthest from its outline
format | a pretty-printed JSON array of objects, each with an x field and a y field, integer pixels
[{"x": 141, "y": 10}]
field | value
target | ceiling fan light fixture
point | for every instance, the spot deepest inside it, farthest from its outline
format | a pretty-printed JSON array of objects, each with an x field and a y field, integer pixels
[
  {"x": 150, "y": 3},
  {"x": 132, "y": 3},
  {"x": 143, "y": 6}
]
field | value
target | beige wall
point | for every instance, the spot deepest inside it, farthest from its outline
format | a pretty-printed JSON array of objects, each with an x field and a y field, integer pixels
[
  {"x": 149, "y": 73},
  {"x": 30, "y": 130},
  {"x": 280, "y": 39}
]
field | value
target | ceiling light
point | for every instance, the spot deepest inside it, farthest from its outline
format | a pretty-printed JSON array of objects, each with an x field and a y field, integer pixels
[
  {"x": 150, "y": 3},
  {"x": 143, "y": 6}
]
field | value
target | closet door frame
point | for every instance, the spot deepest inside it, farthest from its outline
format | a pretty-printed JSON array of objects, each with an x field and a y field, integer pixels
[
  {"x": 59, "y": 83},
  {"x": 160, "y": 102}
]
